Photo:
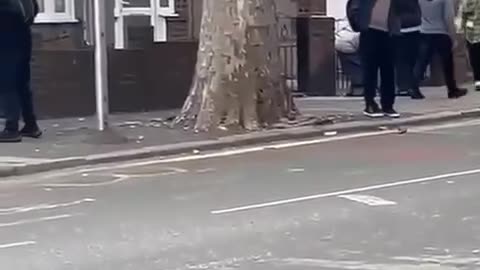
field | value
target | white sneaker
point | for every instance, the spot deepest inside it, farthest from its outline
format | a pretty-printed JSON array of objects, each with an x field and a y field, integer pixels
[{"x": 477, "y": 86}]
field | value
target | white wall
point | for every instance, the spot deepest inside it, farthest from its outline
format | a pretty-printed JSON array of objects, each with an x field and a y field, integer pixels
[{"x": 337, "y": 8}]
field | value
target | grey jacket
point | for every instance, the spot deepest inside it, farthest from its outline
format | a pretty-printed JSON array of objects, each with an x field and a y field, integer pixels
[{"x": 438, "y": 17}]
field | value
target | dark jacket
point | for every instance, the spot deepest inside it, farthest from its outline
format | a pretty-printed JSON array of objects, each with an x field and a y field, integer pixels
[
  {"x": 410, "y": 13},
  {"x": 24, "y": 10},
  {"x": 359, "y": 13}
]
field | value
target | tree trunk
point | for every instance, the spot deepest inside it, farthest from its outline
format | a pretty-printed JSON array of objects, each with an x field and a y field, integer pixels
[{"x": 238, "y": 78}]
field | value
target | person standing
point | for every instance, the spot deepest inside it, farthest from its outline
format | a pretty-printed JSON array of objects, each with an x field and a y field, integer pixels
[
  {"x": 407, "y": 45},
  {"x": 470, "y": 26},
  {"x": 16, "y": 19},
  {"x": 438, "y": 36},
  {"x": 377, "y": 21}
]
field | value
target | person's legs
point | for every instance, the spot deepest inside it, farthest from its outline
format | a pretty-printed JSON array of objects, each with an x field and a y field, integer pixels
[
  {"x": 444, "y": 47},
  {"x": 425, "y": 54},
  {"x": 351, "y": 68},
  {"x": 406, "y": 52},
  {"x": 25, "y": 92},
  {"x": 10, "y": 55},
  {"x": 387, "y": 72},
  {"x": 400, "y": 63},
  {"x": 413, "y": 44},
  {"x": 370, "y": 64},
  {"x": 8, "y": 69},
  {"x": 474, "y": 57}
]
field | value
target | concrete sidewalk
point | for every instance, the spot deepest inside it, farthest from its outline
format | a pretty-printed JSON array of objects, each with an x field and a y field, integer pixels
[{"x": 73, "y": 142}]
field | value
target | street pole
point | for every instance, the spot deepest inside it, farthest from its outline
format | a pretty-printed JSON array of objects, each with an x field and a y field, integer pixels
[{"x": 101, "y": 65}]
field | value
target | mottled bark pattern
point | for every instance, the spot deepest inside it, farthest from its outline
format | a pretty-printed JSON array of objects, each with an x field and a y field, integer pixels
[{"x": 238, "y": 80}]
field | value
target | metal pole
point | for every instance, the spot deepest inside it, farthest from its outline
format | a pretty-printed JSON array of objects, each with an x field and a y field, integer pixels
[{"x": 101, "y": 65}]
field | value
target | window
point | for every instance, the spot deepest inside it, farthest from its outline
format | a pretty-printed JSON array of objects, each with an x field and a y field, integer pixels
[
  {"x": 157, "y": 10},
  {"x": 56, "y": 11}
]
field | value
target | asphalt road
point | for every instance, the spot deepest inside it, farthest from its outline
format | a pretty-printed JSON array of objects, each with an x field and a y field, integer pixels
[{"x": 363, "y": 202}]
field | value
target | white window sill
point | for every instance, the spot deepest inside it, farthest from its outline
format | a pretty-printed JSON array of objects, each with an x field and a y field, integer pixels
[{"x": 57, "y": 19}]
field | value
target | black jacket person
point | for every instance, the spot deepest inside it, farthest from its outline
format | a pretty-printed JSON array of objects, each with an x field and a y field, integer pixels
[
  {"x": 16, "y": 18},
  {"x": 377, "y": 21},
  {"x": 407, "y": 45}
]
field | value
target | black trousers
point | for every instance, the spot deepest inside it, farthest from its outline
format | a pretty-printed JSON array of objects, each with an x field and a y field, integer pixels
[
  {"x": 406, "y": 48},
  {"x": 474, "y": 55},
  {"x": 377, "y": 53},
  {"x": 15, "y": 72},
  {"x": 430, "y": 45}
]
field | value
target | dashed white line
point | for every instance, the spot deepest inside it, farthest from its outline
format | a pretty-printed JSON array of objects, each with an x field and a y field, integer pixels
[
  {"x": 36, "y": 220},
  {"x": 346, "y": 192},
  {"x": 25, "y": 209},
  {"x": 368, "y": 200},
  {"x": 18, "y": 244}
]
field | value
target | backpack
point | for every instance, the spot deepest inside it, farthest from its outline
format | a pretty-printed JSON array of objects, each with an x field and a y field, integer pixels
[{"x": 26, "y": 10}]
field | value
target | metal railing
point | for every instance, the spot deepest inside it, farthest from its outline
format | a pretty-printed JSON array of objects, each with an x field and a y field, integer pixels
[{"x": 288, "y": 50}]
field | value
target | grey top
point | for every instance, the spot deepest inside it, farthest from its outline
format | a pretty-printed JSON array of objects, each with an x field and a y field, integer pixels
[
  {"x": 438, "y": 16},
  {"x": 380, "y": 15}
]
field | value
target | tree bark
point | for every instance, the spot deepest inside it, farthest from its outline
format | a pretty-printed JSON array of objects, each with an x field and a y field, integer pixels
[{"x": 238, "y": 78}]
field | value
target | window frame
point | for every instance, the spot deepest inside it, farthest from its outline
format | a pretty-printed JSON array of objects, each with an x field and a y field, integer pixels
[{"x": 51, "y": 16}]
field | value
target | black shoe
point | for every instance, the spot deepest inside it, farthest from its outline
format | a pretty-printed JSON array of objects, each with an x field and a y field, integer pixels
[
  {"x": 457, "y": 93},
  {"x": 373, "y": 111},
  {"x": 8, "y": 136},
  {"x": 31, "y": 132},
  {"x": 416, "y": 94},
  {"x": 391, "y": 113}
]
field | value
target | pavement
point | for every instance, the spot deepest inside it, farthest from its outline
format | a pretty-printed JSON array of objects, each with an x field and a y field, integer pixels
[
  {"x": 365, "y": 201},
  {"x": 74, "y": 142}
]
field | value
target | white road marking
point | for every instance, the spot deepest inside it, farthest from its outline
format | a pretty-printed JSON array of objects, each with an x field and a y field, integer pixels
[
  {"x": 167, "y": 171},
  {"x": 247, "y": 150},
  {"x": 346, "y": 192},
  {"x": 21, "y": 160},
  {"x": 368, "y": 200},
  {"x": 206, "y": 170},
  {"x": 25, "y": 209},
  {"x": 118, "y": 179},
  {"x": 226, "y": 153},
  {"x": 296, "y": 170},
  {"x": 36, "y": 220},
  {"x": 332, "y": 139},
  {"x": 18, "y": 244}
]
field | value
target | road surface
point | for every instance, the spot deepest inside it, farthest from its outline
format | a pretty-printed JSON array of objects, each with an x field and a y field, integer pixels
[{"x": 379, "y": 201}]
